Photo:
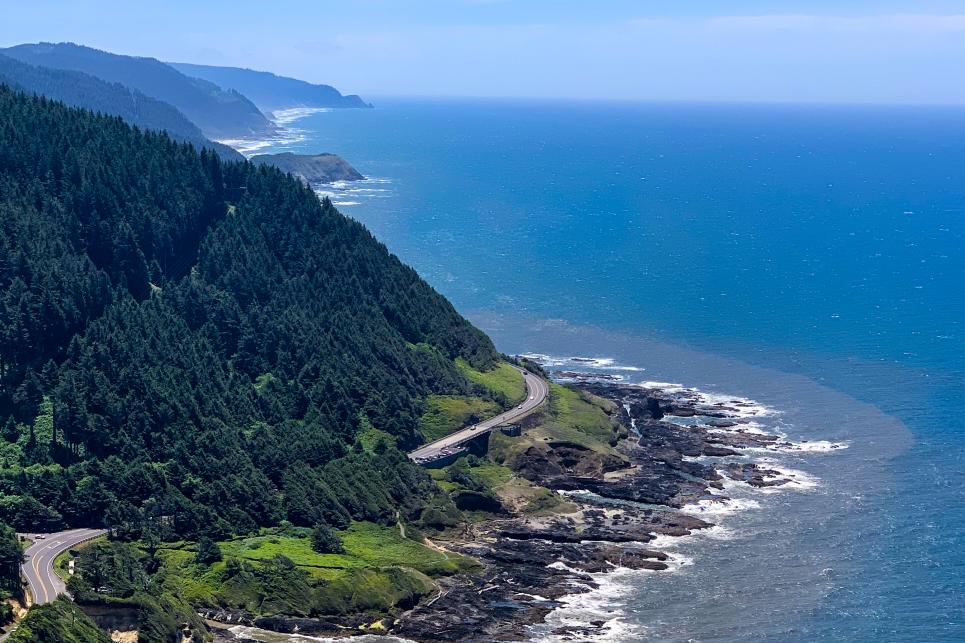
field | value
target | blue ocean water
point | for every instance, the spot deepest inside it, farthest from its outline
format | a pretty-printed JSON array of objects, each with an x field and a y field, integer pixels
[{"x": 809, "y": 257}]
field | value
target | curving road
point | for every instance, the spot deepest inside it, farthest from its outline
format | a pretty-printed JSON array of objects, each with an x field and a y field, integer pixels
[
  {"x": 38, "y": 568},
  {"x": 537, "y": 390}
]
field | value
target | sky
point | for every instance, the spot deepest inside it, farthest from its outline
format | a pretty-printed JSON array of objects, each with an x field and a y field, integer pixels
[{"x": 880, "y": 51}]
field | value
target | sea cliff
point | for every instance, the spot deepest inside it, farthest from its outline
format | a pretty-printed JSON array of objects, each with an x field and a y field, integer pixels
[{"x": 313, "y": 169}]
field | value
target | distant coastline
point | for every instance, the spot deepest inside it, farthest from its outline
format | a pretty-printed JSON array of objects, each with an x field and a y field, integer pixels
[
  {"x": 344, "y": 187},
  {"x": 284, "y": 133}
]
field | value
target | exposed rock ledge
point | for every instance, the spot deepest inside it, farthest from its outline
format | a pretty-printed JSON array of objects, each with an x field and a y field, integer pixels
[
  {"x": 313, "y": 169},
  {"x": 620, "y": 505}
]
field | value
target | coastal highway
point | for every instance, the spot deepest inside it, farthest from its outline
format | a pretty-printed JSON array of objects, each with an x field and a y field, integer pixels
[
  {"x": 537, "y": 390},
  {"x": 38, "y": 568}
]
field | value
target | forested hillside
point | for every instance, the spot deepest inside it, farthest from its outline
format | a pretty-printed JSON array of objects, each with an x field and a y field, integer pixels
[
  {"x": 270, "y": 91},
  {"x": 219, "y": 113},
  {"x": 191, "y": 346},
  {"x": 83, "y": 90}
]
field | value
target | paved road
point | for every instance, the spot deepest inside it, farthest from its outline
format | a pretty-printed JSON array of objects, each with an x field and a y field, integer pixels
[
  {"x": 536, "y": 392},
  {"x": 38, "y": 568}
]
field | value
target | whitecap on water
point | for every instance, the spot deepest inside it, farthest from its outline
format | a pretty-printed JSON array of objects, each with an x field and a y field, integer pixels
[
  {"x": 349, "y": 193},
  {"x": 815, "y": 446},
  {"x": 577, "y": 361},
  {"x": 598, "y": 604},
  {"x": 719, "y": 506},
  {"x": 797, "y": 480}
]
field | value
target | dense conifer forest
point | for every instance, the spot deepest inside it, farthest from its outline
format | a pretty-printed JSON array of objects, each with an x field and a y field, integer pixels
[{"x": 192, "y": 347}]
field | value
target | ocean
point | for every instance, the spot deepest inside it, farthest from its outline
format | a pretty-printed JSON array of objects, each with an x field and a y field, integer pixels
[{"x": 807, "y": 257}]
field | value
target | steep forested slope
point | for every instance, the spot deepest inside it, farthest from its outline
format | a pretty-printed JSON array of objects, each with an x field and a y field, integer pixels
[
  {"x": 83, "y": 90},
  {"x": 270, "y": 91},
  {"x": 219, "y": 113},
  {"x": 192, "y": 346}
]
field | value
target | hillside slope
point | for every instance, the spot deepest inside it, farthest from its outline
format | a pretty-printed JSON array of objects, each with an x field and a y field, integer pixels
[
  {"x": 221, "y": 114},
  {"x": 270, "y": 91},
  {"x": 78, "y": 89},
  {"x": 191, "y": 346}
]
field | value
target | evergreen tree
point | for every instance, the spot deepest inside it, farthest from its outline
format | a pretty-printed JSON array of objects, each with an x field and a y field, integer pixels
[
  {"x": 11, "y": 557},
  {"x": 326, "y": 541},
  {"x": 208, "y": 552}
]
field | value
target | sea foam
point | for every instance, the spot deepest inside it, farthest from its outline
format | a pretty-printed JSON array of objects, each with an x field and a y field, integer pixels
[{"x": 580, "y": 610}]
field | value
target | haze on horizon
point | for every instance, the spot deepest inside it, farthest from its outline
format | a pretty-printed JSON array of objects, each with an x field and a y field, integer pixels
[{"x": 864, "y": 52}]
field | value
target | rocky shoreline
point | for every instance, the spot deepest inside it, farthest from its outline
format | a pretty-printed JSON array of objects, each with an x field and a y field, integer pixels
[{"x": 674, "y": 455}]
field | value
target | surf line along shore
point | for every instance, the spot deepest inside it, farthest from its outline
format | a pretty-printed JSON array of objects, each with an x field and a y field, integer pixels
[{"x": 675, "y": 452}]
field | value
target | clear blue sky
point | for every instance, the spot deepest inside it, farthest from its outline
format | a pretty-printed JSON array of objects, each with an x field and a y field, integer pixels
[{"x": 788, "y": 50}]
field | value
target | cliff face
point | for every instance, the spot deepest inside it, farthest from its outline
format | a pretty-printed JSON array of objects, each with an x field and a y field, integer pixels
[{"x": 311, "y": 168}]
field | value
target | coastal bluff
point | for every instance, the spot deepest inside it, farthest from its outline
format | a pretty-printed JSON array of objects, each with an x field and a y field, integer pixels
[{"x": 311, "y": 168}]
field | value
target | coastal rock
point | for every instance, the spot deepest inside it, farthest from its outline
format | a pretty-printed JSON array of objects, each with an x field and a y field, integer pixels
[
  {"x": 469, "y": 500},
  {"x": 224, "y": 636},
  {"x": 313, "y": 169},
  {"x": 624, "y": 501},
  {"x": 306, "y": 626},
  {"x": 228, "y": 617},
  {"x": 544, "y": 462},
  {"x": 754, "y": 475}
]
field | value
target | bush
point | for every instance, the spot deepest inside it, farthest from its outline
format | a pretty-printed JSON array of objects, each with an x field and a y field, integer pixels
[
  {"x": 326, "y": 541},
  {"x": 208, "y": 552}
]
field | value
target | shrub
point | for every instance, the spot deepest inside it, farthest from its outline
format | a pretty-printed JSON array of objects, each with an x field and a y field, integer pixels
[
  {"x": 326, "y": 541},
  {"x": 208, "y": 552}
]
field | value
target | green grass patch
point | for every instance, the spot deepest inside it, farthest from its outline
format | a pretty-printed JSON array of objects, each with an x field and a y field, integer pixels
[
  {"x": 370, "y": 436},
  {"x": 572, "y": 416},
  {"x": 369, "y": 590},
  {"x": 198, "y": 584},
  {"x": 504, "y": 380},
  {"x": 516, "y": 494},
  {"x": 578, "y": 417},
  {"x": 378, "y": 569},
  {"x": 490, "y": 474},
  {"x": 445, "y": 414},
  {"x": 366, "y": 545}
]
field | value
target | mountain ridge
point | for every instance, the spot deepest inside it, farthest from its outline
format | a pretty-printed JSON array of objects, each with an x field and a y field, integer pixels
[
  {"x": 219, "y": 113},
  {"x": 79, "y": 89},
  {"x": 270, "y": 91}
]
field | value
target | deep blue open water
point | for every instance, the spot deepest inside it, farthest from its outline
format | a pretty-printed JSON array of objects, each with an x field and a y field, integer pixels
[{"x": 810, "y": 258}]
